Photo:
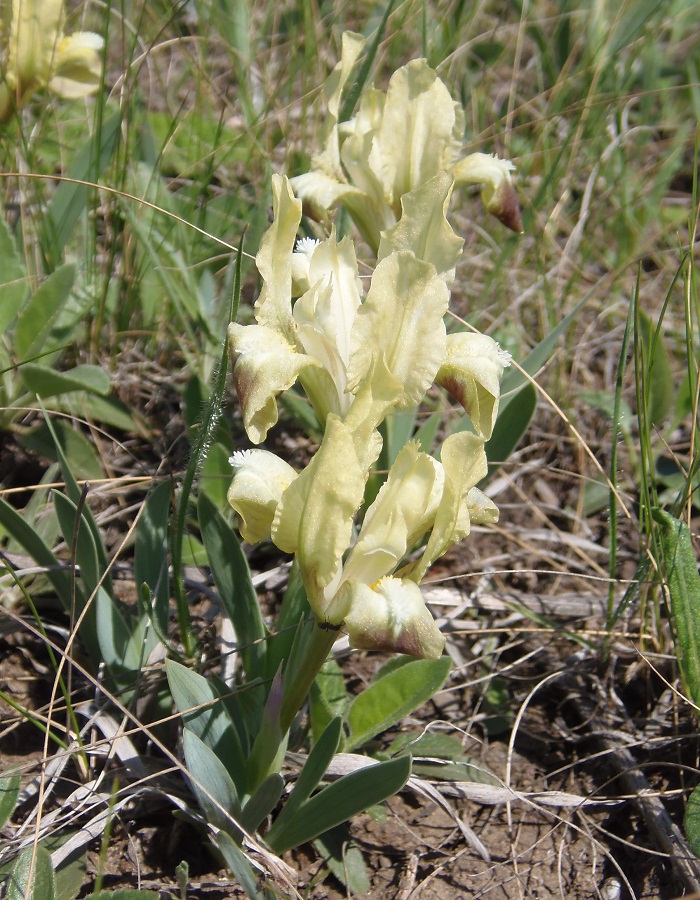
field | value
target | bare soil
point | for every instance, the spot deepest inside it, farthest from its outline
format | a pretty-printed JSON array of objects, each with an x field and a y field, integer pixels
[{"x": 533, "y": 702}]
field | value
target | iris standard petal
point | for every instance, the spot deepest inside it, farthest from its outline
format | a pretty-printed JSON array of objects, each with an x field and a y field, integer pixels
[
  {"x": 423, "y": 227},
  {"x": 402, "y": 320},
  {"x": 274, "y": 260},
  {"x": 393, "y": 521},
  {"x": 416, "y": 139},
  {"x": 465, "y": 464}
]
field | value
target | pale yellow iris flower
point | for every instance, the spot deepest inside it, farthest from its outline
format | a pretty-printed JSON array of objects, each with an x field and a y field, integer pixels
[
  {"x": 358, "y": 356},
  {"x": 399, "y": 142},
  {"x": 361, "y": 584},
  {"x": 36, "y": 54}
]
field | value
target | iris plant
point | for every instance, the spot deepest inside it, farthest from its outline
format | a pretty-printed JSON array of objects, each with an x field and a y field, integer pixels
[{"x": 359, "y": 356}]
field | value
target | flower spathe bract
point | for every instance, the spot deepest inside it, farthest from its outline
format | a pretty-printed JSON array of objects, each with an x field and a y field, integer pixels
[{"x": 314, "y": 519}]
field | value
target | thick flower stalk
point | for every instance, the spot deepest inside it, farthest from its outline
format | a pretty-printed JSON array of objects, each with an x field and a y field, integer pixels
[
  {"x": 36, "y": 54},
  {"x": 398, "y": 144},
  {"x": 358, "y": 357}
]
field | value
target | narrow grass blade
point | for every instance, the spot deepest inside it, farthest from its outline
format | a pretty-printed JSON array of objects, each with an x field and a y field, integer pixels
[
  {"x": 631, "y": 25},
  {"x": 309, "y": 778},
  {"x": 199, "y": 451},
  {"x": 23, "y": 534},
  {"x": 75, "y": 493},
  {"x": 538, "y": 356},
  {"x": 614, "y": 608},
  {"x": 34, "y": 324},
  {"x": 691, "y": 821},
  {"x": 353, "y": 96},
  {"x": 9, "y": 792},
  {"x": 70, "y": 199},
  {"x": 80, "y": 540},
  {"x": 512, "y": 423},
  {"x": 13, "y": 278},
  {"x": 151, "y": 553},
  {"x": 659, "y": 377},
  {"x": 676, "y": 560}
]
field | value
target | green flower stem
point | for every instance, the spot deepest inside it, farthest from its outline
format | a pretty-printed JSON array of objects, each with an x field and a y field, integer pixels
[{"x": 297, "y": 686}]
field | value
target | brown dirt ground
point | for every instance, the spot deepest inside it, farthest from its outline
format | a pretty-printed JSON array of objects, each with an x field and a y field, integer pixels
[{"x": 537, "y": 740}]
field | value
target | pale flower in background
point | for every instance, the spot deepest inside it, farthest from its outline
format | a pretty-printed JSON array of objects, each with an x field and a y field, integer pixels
[{"x": 36, "y": 55}]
